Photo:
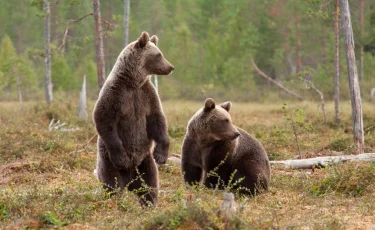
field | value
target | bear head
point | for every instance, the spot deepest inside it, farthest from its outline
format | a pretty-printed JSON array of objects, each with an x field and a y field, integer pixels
[
  {"x": 153, "y": 59},
  {"x": 213, "y": 122},
  {"x": 140, "y": 59}
]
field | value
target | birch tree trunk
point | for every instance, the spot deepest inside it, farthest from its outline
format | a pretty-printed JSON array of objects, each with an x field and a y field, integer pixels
[
  {"x": 100, "y": 65},
  {"x": 126, "y": 21},
  {"x": 355, "y": 95},
  {"x": 361, "y": 52},
  {"x": 337, "y": 64},
  {"x": 47, "y": 52}
]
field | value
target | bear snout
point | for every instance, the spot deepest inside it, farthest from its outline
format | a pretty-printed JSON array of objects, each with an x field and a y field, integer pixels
[
  {"x": 235, "y": 135},
  {"x": 172, "y": 67}
]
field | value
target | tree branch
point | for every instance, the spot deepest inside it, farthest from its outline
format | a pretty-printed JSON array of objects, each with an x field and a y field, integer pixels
[
  {"x": 311, "y": 85},
  {"x": 261, "y": 73},
  {"x": 108, "y": 24},
  {"x": 67, "y": 29},
  {"x": 109, "y": 27}
]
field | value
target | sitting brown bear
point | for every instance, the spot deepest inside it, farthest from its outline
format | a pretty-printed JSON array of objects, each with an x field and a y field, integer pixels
[{"x": 221, "y": 154}]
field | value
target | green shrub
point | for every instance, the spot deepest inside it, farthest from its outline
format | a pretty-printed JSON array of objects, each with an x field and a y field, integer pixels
[{"x": 349, "y": 179}]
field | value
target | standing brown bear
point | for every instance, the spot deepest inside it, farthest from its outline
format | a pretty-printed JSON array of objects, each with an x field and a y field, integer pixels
[
  {"x": 221, "y": 154},
  {"x": 130, "y": 121}
]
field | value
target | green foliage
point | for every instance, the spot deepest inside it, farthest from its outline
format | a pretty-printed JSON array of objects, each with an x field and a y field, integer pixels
[
  {"x": 211, "y": 43},
  {"x": 7, "y": 56},
  {"x": 36, "y": 3},
  {"x": 87, "y": 67},
  {"x": 62, "y": 74},
  {"x": 3, "y": 211},
  {"x": 15, "y": 67},
  {"x": 49, "y": 218},
  {"x": 347, "y": 179}
]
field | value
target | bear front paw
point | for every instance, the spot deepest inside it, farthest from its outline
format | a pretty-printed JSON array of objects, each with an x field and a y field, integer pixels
[
  {"x": 160, "y": 159},
  {"x": 160, "y": 154},
  {"x": 121, "y": 161}
]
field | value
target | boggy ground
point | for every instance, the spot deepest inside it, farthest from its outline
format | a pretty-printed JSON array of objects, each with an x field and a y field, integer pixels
[{"x": 47, "y": 181}]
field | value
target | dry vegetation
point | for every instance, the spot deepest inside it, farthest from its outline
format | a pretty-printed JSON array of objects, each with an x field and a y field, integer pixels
[{"x": 46, "y": 179}]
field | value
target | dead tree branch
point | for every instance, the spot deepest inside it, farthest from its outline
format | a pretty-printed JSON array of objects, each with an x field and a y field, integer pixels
[
  {"x": 312, "y": 86},
  {"x": 109, "y": 27},
  {"x": 67, "y": 29},
  {"x": 261, "y": 73}
]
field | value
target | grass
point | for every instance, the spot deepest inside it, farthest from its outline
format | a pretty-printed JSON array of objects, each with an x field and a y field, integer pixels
[{"x": 47, "y": 181}]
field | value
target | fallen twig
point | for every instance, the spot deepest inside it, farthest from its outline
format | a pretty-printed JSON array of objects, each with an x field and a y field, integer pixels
[{"x": 84, "y": 147}]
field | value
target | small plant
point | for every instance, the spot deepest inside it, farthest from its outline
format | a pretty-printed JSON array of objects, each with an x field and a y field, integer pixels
[
  {"x": 174, "y": 222},
  {"x": 49, "y": 218},
  {"x": 3, "y": 211},
  {"x": 289, "y": 117}
]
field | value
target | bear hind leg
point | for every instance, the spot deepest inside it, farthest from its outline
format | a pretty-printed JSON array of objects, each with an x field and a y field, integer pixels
[
  {"x": 252, "y": 180},
  {"x": 145, "y": 183},
  {"x": 106, "y": 172}
]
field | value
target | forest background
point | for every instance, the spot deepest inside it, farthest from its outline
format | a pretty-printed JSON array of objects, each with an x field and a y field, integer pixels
[{"x": 210, "y": 43}]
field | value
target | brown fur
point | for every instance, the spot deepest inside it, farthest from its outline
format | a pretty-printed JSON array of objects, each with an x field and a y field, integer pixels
[
  {"x": 212, "y": 141},
  {"x": 129, "y": 119}
]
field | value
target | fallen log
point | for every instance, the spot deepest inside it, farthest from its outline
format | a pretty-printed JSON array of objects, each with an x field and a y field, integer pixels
[
  {"x": 307, "y": 163},
  {"x": 323, "y": 161}
]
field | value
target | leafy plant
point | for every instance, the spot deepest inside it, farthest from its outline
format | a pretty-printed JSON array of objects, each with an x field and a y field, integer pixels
[{"x": 49, "y": 218}]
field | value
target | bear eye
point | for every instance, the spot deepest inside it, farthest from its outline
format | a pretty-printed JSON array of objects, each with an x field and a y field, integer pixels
[
  {"x": 158, "y": 55},
  {"x": 226, "y": 120}
]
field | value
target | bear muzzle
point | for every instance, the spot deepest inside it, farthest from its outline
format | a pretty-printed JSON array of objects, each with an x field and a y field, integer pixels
[
  {"x": 166, "y": 69},
  {"x": 170, "y": 68},
  {"x": 236, "y": 134}
]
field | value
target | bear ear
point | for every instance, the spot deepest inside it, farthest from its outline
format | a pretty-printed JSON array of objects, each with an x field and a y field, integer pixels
[
  {"x": 142, "y": 40},
  {"x": 209, "y": 105},
  {"x": 154, "y": 39},
  {"x": 226, "y": 105}
]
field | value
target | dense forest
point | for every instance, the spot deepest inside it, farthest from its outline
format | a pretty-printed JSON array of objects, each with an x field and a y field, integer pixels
[{"x": 210, "y": 43}]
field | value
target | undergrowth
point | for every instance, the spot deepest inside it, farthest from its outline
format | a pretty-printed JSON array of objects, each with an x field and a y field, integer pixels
[{"x": 47, "y": 181}]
